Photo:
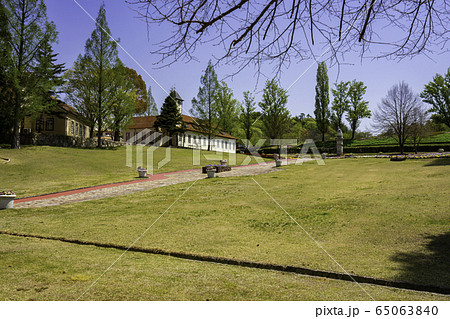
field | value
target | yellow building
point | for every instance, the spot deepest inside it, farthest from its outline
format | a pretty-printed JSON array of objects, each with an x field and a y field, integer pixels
[{"x": 61, "y": 119}]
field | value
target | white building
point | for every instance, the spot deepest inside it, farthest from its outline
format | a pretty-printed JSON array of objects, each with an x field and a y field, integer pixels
[{"x": 142, "y": 127}]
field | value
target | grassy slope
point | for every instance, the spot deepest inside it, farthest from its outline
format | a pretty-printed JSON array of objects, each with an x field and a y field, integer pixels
[
  {"x": 375, "y": 217},
  {"x": 44, "y": 169},
  {"x": 30, "y": 275}
]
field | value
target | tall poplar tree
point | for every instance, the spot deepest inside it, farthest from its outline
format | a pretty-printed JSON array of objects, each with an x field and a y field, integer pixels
[
  {"x": 248, "y": 115},
  {"x": 204, "y": 107},
  {"x": 30, "y": 67},
  {"x": 322, "y": 111}
]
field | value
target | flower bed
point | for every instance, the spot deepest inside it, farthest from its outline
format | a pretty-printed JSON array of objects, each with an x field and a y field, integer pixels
[
  {"x": 219, "y": 168},
  {"x": 7, "y": 193}
]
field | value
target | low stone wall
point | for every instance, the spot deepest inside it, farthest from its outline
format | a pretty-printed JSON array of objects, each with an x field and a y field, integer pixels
[{"x": 65, "y": 141}]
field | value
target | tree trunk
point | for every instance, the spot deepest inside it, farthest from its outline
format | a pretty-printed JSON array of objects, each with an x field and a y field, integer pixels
[
  {"x": 15, "y": 140},
  {"x": 353, "y": 133},
  {"x": 323, "y": 136},
  {"x": 99, "y": 134},
  {"x": 117, "y": 135},
  {"x": 91, "y": 131}
]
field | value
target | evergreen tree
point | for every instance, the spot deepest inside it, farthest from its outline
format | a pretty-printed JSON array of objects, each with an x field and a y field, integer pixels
[
  {"x": 340, "y": 104},
  {"x": 30, "y": 66},
  {"x": 170, "y": 121},
  {"x": 322, "y": 111},
  {"x": 358, "y": 108},
  {"x": 101, "y": 50},
  {"x": 227, "y": 109},
  {"x": 152, "y": 109},
  {"x": 6, "y": 94},
  {"x": 204, "y": 106},
  {"x": 275, "y": 115},
  {"x": 248, "y": 115}
]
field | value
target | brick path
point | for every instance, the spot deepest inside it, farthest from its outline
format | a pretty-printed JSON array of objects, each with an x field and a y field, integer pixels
[{"x": 156, "y": 180}]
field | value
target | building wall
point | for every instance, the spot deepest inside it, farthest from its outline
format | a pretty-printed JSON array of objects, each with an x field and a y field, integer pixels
[
  {"x": 53, "y": 125},
  {"x": 200, "y": 141},
  {"x": 188, "y": 139}
]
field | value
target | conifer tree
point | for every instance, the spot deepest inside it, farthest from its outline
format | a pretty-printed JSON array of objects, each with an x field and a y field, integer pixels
[
  {"x": 101, "y": 50},
  {"x": 170, "y": 121},
  {"x": 204, "y": 107},
  {"x": 152, "y": 109},
  {"x": 322, "y": 111},
  {"x": 31, "y": 68}
]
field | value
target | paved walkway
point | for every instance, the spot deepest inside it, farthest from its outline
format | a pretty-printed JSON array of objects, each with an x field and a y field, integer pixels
[{"x": 154, "y": 181}]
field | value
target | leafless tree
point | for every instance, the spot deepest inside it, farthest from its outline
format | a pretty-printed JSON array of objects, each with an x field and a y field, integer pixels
[
  {"x": 419, "y": 125},
  {"x": 398, "y": 112},
  {"x": 280, "y": 31}
]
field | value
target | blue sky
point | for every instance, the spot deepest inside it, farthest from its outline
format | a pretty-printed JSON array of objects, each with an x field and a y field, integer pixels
[{"x": 75, "y": 27}]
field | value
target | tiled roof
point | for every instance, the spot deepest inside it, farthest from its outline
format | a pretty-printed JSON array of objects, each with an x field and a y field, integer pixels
[
  {"x": 142, "y": 122},
  {"x": 64, "y": 108}
]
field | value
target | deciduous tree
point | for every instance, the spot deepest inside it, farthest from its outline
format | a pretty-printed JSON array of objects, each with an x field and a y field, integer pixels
[
  {"x": 437, "y": 94},
  {"x": 275, "y": 115},
  {"x": 358, "y": 108},
  {"x": 340, "y": 103},
  {"x": 396, "y": 112},
  {"x": 289, "y": 31},
  {"x": 227, "y": 109}
]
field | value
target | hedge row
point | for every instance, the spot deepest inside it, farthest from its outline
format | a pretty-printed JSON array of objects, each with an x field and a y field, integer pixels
[{"x": 365, "y": 149}]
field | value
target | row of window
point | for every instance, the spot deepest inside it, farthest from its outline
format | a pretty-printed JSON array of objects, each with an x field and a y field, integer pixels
[
  {"x": 77, "y": 129},
  {"x": 49, "y": 125},
  {"x": 204, "y": 141}
]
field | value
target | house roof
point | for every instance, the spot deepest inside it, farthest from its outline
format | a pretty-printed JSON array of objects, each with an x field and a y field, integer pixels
[
  {"x": 143, "y": 122},
  {"x": 177, "y": 96},
  {"x": 66, "y": 109}
]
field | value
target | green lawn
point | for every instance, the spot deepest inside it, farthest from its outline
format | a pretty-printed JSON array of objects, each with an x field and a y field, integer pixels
[
  {"x": 375, "y": 217},
  {"x": 43, "y": 270},
  {"x": 44, "y": 169}
]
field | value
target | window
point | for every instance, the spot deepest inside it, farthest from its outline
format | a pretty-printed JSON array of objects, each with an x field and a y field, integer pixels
[
  {"x": 39, "y": 125},
  {"x": 189, "y": 138},
  {"x": 72, "y": 127},
  {"x": 226, "y": 145},
  {"x": 76, "y": 128},
  {"x": 128, "y": 137},
  {"x": 50, "y": 124}
]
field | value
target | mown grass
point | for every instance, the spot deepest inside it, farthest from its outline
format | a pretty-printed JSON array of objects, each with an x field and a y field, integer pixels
[
  {"x": 375, "y": 217},
  {"x": 44, "y": 169},
  {"x": 44, "y": 270}
]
